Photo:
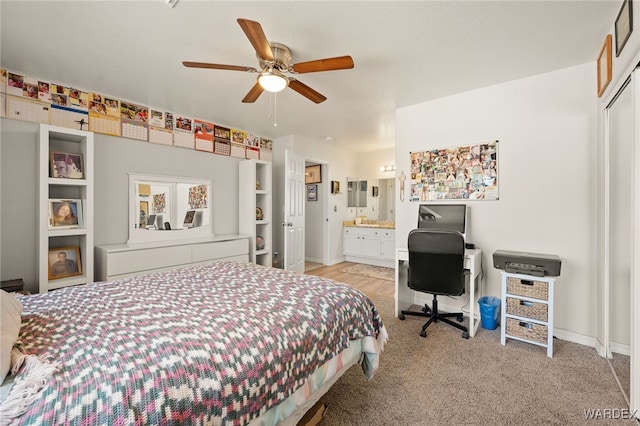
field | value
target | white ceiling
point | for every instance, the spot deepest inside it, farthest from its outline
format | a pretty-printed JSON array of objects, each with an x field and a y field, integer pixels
[{"x": 404, "y": 53}]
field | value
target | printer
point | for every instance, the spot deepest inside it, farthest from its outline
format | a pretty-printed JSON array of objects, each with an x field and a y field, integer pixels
[{"x": 535, "y": 264}]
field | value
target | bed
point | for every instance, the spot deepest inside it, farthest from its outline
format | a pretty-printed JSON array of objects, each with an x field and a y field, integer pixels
[{"x": 227, "y": 343}]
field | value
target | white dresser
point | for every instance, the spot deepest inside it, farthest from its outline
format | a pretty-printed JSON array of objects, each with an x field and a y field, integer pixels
[{"x": 121, "y": 260}]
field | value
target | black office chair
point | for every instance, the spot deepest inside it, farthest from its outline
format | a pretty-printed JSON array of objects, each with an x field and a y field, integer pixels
[{"x": 436, "y": 266}]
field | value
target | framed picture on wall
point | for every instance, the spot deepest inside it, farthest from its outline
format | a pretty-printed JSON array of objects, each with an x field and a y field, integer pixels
[
  {"x": 335, "y": 186},
  {"x": 312, "y": 192},
  {"x": 374, "y": 191},
  {"x": 624, "y": 25},
  {"x": 64, "y": 262},
  {"x": 604, "y": 65},
  {"x": 312, "y": 174}
]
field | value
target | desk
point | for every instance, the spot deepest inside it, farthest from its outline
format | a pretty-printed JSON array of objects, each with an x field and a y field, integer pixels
[{"x": 405, "y": 297}]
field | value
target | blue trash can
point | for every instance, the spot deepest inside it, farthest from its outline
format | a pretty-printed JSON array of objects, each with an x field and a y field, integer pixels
[{"x": 489, "y": 312}]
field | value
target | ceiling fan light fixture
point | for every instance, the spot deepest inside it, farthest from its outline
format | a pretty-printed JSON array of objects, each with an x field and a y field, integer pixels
[{"x": 272, "y": 81}]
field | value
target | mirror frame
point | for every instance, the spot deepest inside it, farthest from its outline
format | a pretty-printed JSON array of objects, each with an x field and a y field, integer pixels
[{"x": 137, "y": 235}]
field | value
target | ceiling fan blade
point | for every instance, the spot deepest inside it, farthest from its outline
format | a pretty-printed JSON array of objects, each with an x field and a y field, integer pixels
[
  {"x": 218, "y": 66},
  {"x": 329, "y": 64},
  {"x": 253, "y": 94},
  {"x": 253, "y": 31},
  {"x": 306, "y": 91}
]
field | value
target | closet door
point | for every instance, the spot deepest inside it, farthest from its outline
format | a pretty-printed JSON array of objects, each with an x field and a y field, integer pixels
[{"x": 622, "y": 126}]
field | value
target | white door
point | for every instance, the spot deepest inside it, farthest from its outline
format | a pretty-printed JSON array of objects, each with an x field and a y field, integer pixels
[
  {"x": 622, "y": 231},
  {"x": 293, "y": 225}
]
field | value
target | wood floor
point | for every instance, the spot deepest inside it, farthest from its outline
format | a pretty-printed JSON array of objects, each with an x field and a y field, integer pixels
[{"x": 368, "y": 285}]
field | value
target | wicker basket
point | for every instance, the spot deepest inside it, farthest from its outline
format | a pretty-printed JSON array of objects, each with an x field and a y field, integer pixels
[
  {"x": 527, "y": 330},
  {"x": 524, "y": 308},
  {"x": 528, "y": 288}
]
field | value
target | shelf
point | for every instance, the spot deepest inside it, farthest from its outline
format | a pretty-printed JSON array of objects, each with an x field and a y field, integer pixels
[
  {"x": 67, "y": 232},
  {"x": 76, "y": 242},
  {"x": 542, "y": 330},
  {"x": 67, "y": 281},
  {"x": 67, "y": 182},
  {"x": 250, "y": 172},
  {"x": 526, "y": 319},
  {"x": 533, "y": 342}
]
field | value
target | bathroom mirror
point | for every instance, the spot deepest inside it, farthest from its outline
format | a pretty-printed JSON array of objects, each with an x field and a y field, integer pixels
[
  {"x": 384, "y": 198},
  {"x": 165, "y": 208},
  {"x": 356, "y": 192}
]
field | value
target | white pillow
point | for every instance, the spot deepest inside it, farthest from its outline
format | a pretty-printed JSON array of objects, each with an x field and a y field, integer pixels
[{"x": 10, "y": 311}]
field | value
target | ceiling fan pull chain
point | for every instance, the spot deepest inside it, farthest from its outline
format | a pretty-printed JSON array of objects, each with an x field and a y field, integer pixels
[{"x": 275, "y": 110}]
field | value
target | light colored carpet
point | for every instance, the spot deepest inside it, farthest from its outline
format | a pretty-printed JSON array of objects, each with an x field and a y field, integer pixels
[
  {"x": 446, "y": 380},
  {"x": 373, "y": 271}
]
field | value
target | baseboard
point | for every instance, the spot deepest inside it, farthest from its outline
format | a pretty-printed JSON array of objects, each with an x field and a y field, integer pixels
[
  {"x": 314, "y": 260},
  {"x": 336, "y": 261},
  {"x": 620, "y": 348}
]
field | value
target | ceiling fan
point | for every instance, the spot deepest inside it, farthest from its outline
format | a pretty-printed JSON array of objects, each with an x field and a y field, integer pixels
[{"x": 275, "y": 61}]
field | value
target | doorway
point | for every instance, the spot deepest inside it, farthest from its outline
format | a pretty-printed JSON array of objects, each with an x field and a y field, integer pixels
[{"x": 316, "y": 218}]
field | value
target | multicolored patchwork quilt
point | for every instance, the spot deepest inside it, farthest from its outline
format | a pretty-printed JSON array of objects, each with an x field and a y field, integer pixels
[{"x": 212, "y": 344}]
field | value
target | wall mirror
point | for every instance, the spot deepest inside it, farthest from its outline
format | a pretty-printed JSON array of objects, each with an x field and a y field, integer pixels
[
  {"x": 384, "y": 198},
  {"x": 356, "y": 192},
  {"x": 165, "y": 208}
]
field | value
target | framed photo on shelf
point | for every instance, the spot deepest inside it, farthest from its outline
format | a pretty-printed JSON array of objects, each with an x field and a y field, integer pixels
[
  {"x": 65, "y": 214},
  {"x": 624, "y": 25},
  {"x": 144, "y": 213},
  {"x": 66, "y": 165},
  {"x": 312, "y": 174},
  {"x": 312, "y": 192},
  {"x": 64, "y": 262},
  {"x": 604, "y": 65}
]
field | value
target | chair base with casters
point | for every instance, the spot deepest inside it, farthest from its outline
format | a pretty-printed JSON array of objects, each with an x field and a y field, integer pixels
[{"x": 434, "y": 316}]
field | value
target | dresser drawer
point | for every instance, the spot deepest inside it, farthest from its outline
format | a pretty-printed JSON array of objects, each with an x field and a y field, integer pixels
[
  {"x": 528, "y": 288},
  {"x": 127, "y": 262},
  {"x": 219, "y": 250},
  {"x": 527, "y": 309},
  {"x": 527, "y": 330}
]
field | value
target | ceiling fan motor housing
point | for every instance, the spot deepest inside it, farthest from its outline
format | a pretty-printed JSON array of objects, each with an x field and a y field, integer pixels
[{"x": 281, "y": 55}]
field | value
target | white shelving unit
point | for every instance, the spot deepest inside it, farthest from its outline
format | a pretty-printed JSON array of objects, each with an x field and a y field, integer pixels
[
  {"x": 527, "y": 309},
  {"x": 255, "y": 196},
  {"x": 64, "y": 140}
]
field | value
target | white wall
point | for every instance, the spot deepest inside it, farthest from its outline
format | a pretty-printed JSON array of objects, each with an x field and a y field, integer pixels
[
  {"x": 369, "y": 163},
  {"x": 546, "y": 126}
]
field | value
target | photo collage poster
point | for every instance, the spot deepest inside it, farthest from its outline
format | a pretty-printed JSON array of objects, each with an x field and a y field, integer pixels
[
  {"x": 27, "y": 98},
  {"x": 468, "y": 172}
]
